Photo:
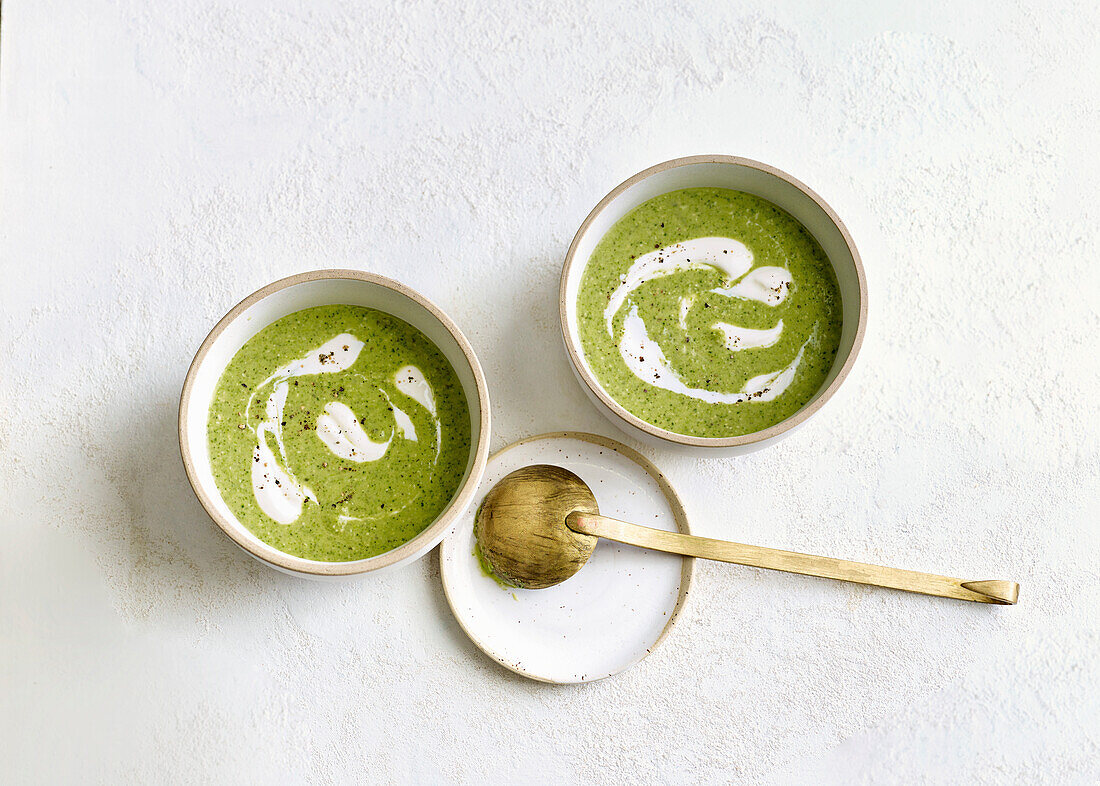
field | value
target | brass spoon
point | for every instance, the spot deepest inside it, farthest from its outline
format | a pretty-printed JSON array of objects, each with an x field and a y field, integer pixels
[{"x": 539, "y": 525}]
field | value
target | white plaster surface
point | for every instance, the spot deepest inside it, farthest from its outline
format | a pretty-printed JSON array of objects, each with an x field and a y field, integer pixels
[{"x": 160, "y": 160}]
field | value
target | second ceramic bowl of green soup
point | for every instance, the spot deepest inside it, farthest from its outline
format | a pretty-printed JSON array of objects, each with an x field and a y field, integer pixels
[
  {"x": 335, "y": 423},
  {"x": 712, "y": 304}
]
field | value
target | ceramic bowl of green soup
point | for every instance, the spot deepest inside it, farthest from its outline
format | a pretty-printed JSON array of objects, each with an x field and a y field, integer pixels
[
  {"x": 335, "y": 423},
  {"x": 713, "y": 304}
]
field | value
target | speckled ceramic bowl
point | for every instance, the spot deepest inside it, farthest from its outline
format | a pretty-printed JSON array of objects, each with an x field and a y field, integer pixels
[
  {"x": 305, "y": 290},
  {"x": 740, "y": 174}
]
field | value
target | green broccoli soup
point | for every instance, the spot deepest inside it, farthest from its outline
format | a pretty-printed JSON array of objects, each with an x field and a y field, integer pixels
[
  {"x": 338, "y": 433},
  {"x": 709, "y": 312}
]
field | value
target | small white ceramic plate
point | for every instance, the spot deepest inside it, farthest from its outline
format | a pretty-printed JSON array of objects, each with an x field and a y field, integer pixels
[{"x": 610, "y": 615}]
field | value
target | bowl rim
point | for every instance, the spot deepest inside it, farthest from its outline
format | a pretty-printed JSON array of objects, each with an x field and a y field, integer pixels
[
  {"x": 410, "y": 549},
  {"x": 687, "y": 440}
]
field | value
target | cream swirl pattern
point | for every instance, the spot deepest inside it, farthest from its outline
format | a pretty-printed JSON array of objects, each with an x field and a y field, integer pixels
[
  {"x": 277, "y": 491},
  {"x": 708, "y": 312},
  {"x": 768, "y": 285}
]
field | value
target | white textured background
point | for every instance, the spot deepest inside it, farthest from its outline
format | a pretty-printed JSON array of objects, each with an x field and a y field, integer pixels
[{"x": 160, "y": 160}]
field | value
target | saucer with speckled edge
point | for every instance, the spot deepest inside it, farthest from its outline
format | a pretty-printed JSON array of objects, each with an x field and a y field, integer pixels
[{"x": 615, "y": 610}]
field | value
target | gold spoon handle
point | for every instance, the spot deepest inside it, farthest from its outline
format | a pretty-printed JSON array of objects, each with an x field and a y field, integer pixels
[{"x": 1000, "y": 592}]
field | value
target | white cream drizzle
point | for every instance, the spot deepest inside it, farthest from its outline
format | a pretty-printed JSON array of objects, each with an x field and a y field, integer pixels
[
  {"x": 769, "y": 285},
  {"x": 278, "y": 493},
  {"x": 685, "y": 308},
  {"x": 410, "y": 381},
  {"x": 647, "y": 362},
  {"x": 738, "y": 338},
  {"x": 341, "y": 432},
  {"x": 728, "y": 255},
  {"x": 337, "y": 354},
  {"x": 404, "y": 422}
]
